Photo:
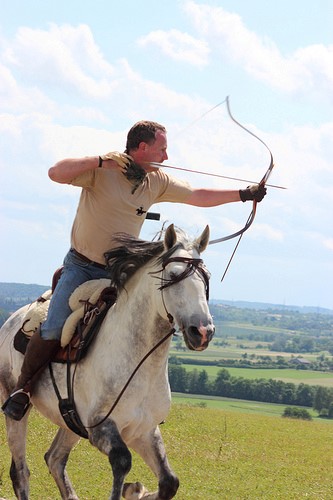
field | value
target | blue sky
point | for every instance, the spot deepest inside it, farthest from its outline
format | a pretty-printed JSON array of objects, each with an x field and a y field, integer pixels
[{"x": 76, "y": 75}]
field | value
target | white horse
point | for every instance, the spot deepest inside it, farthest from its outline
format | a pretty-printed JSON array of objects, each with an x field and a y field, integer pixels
[{"x": 160, "y": 284}]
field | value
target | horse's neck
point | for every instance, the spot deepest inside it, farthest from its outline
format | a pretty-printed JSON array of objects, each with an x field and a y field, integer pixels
[{"x": 135, "y": 322}]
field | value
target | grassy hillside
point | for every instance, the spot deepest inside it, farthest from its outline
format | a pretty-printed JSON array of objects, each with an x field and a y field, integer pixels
[
  {"x": 217, "y": 454},
  {"x": 15, "y": 295},
  {"x": 288, "y": 375},
  {"x": 21, "y": 291}
]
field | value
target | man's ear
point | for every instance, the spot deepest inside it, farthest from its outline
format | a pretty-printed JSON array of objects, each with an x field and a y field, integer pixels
[{"x": 143, "y": 146}]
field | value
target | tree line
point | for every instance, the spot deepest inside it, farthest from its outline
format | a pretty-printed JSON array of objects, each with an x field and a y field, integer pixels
[
  {"x": 291, "y": 331},
  {"x": 317, "y": 324},
  {"x": 263, "y": 390}
]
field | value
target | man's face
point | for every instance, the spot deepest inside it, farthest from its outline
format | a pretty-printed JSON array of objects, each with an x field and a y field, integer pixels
[{"x": 156, "y": 152}]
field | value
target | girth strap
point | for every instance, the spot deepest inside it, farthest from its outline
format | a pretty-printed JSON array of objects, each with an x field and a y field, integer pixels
[{"x": 67, "y": 405}]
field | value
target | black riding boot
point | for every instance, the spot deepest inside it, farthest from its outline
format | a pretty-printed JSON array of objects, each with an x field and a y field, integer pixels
[{"x": 38, "y": 354}]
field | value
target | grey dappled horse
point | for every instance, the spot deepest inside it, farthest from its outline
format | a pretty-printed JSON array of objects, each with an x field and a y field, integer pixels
[{"x": 160, "y": 284}]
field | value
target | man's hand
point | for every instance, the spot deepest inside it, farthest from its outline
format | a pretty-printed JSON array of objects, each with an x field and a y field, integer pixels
[
  {"x": 253, "y": 192},
  {"x": 122, "y": 159}
]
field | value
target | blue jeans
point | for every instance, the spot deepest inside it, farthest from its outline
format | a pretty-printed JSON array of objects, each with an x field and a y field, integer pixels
[{"x": 75, "y": 272}]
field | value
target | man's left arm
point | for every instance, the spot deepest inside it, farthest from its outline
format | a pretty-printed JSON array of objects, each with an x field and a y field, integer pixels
[{"x": 215, "y": 197}]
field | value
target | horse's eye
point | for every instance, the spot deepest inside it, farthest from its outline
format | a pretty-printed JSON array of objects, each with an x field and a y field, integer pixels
[{"x": 173, "y": 276}]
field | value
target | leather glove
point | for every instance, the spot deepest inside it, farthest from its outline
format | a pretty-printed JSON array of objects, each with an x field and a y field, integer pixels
[
  {"x": 132, "y": 171},
  {"x": 122, "y": 159},
  {"x": 253, "y": 192}
]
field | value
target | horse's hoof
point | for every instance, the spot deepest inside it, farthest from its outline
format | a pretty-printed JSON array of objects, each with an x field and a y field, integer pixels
[{"x": 133, "y": 491}]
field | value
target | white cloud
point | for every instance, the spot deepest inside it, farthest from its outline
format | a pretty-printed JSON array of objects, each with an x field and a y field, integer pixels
[
  {"x": 308, "y": 68},
  {"x": 328, "y": 243},
  {"x": 178, "y": 46},
  {"x": 269, "y": 232},
  {"x": 319, "y": 239},
  {"x": 15, "y": 97},
  {"x": 317, "y": 61},
  {"x": 63, "y": 54}
]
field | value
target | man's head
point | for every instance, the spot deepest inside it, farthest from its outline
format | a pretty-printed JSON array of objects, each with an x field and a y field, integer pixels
[{"x": 146, "y": 141}]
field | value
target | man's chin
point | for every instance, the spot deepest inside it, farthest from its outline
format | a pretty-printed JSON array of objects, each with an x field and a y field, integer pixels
[{"x": 151, "y": 167}]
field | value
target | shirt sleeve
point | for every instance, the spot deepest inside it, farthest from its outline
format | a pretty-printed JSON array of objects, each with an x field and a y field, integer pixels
[
  {"x": 85, "y": 180},
  {"x": 172, "y": 189}
]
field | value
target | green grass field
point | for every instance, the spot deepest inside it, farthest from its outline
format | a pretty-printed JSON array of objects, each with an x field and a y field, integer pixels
[
  {"x": 221, "y": 449},
  {"x": 236, "y": 348},
  {"x": 239, "y": 405},
  {"x": 217, "y": 454},
  {"x": 286, "y": 375}
]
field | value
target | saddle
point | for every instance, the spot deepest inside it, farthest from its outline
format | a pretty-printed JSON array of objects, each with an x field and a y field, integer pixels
[{"x": 89, "y": 302}]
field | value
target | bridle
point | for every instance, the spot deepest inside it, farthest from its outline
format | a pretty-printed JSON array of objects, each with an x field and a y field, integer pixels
[{"x": 192, "y": 266}]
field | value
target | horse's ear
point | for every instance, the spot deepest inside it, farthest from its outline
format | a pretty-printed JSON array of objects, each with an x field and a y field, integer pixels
[
  {"x": 203, "y": 240},
  {"x": 170, "y": 237}
]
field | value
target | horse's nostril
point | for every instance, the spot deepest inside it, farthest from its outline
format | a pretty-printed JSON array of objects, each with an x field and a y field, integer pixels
[
  {"x": 210, "y": 332},
  {"x": 193, "y": 330}
]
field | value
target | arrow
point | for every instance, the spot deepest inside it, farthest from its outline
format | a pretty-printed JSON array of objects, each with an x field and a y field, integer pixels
[{"x": 158, "y": 165}]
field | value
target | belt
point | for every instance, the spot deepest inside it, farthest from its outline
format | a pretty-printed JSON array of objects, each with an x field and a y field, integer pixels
[{"x": 85, "y": 259}]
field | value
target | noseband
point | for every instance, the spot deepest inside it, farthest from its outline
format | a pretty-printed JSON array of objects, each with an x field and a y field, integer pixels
[{"x": 192, "y": 266}]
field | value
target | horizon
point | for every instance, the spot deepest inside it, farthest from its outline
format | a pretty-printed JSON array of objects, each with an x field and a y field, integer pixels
[{"x": 211, "y": 300}]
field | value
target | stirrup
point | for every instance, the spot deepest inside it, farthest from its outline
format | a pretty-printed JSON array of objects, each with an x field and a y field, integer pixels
[{"x": 17, "y": 404}]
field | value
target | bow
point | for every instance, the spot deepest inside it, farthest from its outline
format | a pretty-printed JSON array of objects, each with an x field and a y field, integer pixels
[{"x": 254, "y": 205}]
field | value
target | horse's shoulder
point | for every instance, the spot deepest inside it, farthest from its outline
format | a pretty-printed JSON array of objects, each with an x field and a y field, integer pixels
[{"x": 15, "y": 317}]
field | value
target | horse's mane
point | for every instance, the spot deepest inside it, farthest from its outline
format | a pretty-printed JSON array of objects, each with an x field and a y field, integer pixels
[{"x": 132, "y": 254}]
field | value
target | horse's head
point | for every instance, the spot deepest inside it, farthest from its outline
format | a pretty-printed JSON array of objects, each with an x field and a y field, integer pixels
[
  {"x": 185, "y": 287},
  {"x": 184, "y": 279}
]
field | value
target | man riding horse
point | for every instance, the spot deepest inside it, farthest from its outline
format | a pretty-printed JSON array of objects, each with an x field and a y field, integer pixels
[{"x": 117, "y": 191}]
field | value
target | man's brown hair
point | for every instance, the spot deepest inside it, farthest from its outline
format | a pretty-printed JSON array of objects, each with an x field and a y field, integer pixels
[{"x": 142, "y": 131}]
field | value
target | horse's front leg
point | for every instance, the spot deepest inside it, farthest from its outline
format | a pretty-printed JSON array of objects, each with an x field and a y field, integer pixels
[
  {"x": 151, "y": 449},
  {"x": 19, "y": 472},
  {"x": 107, "y": 439},
  {"x": 56, "y": 460}
]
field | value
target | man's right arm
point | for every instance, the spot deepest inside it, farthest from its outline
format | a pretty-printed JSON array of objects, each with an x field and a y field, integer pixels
[{"x": 65, "y": 171}]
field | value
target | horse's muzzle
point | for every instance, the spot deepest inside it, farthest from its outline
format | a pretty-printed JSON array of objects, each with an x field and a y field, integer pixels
[{"x": 198, "y": 338}]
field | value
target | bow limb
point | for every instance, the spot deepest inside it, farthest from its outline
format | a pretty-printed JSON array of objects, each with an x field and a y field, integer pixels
[
  {"x": 241, "y": 231},
  {"x": 271, "y": 164},
  {"x": 261, "y": 183}
]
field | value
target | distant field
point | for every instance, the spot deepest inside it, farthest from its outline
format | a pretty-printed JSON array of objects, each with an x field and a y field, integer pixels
[
  {"x": 286, "y": 375},
  {"x": 239, "y": 405},
  {"x": 236, "y": 348}
]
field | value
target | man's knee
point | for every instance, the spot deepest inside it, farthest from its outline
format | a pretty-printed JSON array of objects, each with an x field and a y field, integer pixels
[{"x": 50, "y": 334}]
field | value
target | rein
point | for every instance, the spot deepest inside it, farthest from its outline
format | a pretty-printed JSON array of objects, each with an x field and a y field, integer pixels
[{"x": 156, "y": 346}]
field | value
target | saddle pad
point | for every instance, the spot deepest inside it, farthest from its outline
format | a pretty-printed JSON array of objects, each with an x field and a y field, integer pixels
[
  {"x": 84, "y": 333},
  {"x": 37, "y": 313}
]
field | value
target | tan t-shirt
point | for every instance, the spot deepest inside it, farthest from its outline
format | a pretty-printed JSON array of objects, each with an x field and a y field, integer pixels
[{"x": 107, "y": 206}]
